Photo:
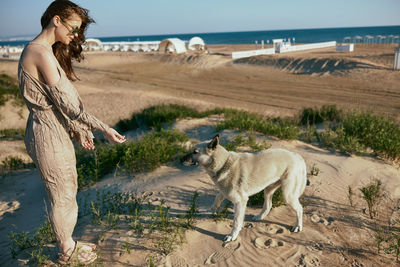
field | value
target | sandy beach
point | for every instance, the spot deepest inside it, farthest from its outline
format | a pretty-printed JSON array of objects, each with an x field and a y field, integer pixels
[{"x": 113, "y": 85}]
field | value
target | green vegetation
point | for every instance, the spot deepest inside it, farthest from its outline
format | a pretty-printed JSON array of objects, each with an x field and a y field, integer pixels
[
  {"x": 376, "y": 132},
  {"x": 93, "y": 165},
  {"x": 11, "y": 163},
  {"x": 352, "y": 132},
  {"x": 310, "y": 116},
  {"x": 240, "y": 140},
  {"x": 372, "y": 194},
  {"x": 314, "y": 170},
  {"x": 12, "y": 134},
  {"x": 24, "y": 240},
  {"x": 157, "y": 116},
  {"x": 192, "y": 212},
  {"x": 350, "y": 195},
  {"x": 285, "y": 128},
  {"x": 152, "y": 151},
  {"x": 258, "y": 199},
  {"x": 9, "y": 90},
  {"x": 150, "y": 222}
]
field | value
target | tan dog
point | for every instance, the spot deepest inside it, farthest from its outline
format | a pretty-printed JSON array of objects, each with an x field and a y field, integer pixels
[{"x": 241, "y": 175}]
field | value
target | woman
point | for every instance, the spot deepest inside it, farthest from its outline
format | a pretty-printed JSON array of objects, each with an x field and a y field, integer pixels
[{"x": 56, "y": 115}]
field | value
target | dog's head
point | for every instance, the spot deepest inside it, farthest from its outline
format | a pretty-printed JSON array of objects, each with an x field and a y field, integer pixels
[{"x": 202, "y": 153}]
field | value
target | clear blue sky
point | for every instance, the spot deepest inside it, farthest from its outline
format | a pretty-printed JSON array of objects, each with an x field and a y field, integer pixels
[{"x": 150, "y": 17}]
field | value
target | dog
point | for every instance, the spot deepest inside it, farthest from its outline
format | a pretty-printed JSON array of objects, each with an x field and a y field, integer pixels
[{"x": 241, "y": 175}]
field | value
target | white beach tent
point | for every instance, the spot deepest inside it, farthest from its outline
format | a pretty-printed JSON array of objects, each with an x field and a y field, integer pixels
[
  {"x": 93, "y": 44},
  {"x": 196, "y": 44},
  {"x": 172, "y": 45}
]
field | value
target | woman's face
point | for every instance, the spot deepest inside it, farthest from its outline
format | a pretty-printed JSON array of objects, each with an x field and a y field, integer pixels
[{"x": 68, "y": 29}]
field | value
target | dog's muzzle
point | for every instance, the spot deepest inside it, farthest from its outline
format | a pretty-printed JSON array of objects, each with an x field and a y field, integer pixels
[{"x": 187, "y": 160}]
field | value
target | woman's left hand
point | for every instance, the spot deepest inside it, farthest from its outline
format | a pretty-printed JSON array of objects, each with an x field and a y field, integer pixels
[
  {"x": 114, "y": 136},
  {"x": 88, "y": 144},
  {"x": 85, "y": 138}
]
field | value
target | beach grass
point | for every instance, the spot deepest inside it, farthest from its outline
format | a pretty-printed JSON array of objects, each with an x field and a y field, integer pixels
[
  {"x": 312, "y": 116},
  {"x": 382, "y": 134},
  {"x": 20, "y": 241},
  {"x": 155, "y": 149},
  {"x": 12, "y": 163},
  {"x": 12, "y": 134},
  {"x": 9, "y": 90},
  {"x": 156, "y": 116},
  {"x": 284, "y": 128},
  {"x": 148, "y": 221}
]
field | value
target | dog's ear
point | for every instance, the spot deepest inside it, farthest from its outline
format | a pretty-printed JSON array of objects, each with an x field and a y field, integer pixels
[{"x": 214, "y": 142}]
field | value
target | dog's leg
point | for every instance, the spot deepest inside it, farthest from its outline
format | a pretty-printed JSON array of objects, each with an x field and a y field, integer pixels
[
  {"x": 296, "y": 206},
  {"x": 217, "y": 202},
  {"x": 240, "y": 209},
  {"x": 268, "y": 193}
]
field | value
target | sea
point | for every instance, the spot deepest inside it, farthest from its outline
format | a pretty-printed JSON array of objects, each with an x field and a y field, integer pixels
[{"x": 379, "y": 34}]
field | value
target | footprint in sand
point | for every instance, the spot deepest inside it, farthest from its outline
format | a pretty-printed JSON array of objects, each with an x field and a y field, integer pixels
[
  {"x": 268, "y": 242},
  {"x": 308, "y": 260},
  {"x": 224, "y": 253},
  {"x": 317, "y": 218},
  {"x": 175, "y": 261},
  {"x": 275, "y": 229}
]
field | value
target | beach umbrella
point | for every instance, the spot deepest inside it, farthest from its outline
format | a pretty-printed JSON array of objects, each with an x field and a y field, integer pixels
[
  {"x": 357, "y": 39},
  {"x": 380, "y": 38},
  {"x": 390, "y": 38},
  {"x": 347, "y": 38},
  {"x": 369, "y": 39}
]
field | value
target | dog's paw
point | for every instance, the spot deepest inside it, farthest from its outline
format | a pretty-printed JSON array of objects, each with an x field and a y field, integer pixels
[
  {"x": 229, "y": 238},
  {"x": 296, "y": 229}
]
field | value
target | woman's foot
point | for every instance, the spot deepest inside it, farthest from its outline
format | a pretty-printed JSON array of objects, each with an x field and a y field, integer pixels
[{"x": 82, "y": 253}]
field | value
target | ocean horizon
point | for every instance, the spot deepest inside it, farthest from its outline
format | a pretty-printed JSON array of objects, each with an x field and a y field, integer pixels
[{"x": 390, "y": 33}]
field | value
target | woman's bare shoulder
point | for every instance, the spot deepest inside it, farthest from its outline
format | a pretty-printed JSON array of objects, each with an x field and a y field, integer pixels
[
  {"x": 38, "y": 59},
  {"x": 35, "y": 54}
]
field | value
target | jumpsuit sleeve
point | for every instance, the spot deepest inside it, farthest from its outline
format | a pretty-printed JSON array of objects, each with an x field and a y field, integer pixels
[{"x": 74, "y": 110}]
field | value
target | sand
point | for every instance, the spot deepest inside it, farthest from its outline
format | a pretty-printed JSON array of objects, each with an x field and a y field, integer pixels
[{"x": 113, "y": 85}]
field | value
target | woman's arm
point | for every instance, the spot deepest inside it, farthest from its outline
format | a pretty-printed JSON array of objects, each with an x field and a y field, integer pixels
[{"x": 48, "y": 68}]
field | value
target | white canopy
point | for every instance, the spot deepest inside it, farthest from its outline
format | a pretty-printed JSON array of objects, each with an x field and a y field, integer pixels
[
  {"x": 196, "y": 43},
  {"x": 93, "y": 44},
  {"x": 172, "y": 45}
]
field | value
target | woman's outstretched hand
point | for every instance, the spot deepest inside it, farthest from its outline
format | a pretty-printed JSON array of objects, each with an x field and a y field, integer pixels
[{"x": 114, "y": 136}]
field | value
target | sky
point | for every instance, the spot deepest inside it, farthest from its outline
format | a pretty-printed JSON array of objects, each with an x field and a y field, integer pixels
[{"x": 156, "y": 17}]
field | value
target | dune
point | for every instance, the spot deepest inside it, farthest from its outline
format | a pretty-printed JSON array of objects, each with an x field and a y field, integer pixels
[{"x": 336, "y": 233}]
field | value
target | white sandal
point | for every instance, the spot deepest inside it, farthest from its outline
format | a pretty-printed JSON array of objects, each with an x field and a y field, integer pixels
[{"x": 83, "y": 253}]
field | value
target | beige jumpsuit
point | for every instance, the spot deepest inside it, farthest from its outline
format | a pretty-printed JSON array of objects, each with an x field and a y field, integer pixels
[{"x": 56, "y": 115}]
